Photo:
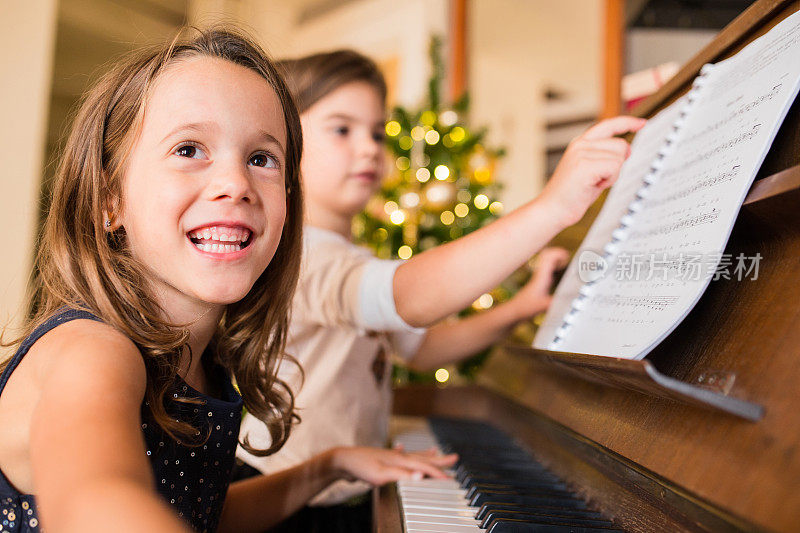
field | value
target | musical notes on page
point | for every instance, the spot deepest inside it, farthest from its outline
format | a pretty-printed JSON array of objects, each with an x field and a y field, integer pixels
[{"x": 677, "y": 197}]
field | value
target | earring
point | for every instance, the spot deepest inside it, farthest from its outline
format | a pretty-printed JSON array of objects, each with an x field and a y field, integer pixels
[{"x": 108, "y": 223}]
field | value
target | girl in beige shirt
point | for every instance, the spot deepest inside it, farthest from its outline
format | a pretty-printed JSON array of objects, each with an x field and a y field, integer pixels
[{"x": 351, "y": 309}]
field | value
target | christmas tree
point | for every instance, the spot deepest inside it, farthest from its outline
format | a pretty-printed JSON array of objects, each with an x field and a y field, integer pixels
[{"x": 442, "y": 186}]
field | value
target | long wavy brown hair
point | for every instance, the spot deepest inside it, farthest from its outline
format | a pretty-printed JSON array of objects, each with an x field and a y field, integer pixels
[{"x": 81, "y": 265}]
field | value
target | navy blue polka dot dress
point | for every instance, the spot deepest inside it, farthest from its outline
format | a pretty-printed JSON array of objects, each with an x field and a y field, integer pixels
[{"x": 192, "y": 479}]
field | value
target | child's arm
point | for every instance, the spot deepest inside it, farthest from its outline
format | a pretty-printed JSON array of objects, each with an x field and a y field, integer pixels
[
  {"x": 448, "y": 342},
  {"x": 90, "y": 471},
  {"x": 259, "y": 503},
  {"x": 445, "y": 279}
]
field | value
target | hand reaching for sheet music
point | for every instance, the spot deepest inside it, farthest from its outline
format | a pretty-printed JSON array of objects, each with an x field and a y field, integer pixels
[
  {"x": 590, "y": 164},
  {"x": 378, "y": 466},
  {"x": 535, "y": 297}
]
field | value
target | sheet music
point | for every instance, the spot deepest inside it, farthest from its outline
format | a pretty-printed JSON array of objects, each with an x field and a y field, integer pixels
[{"x": 667, "y": 220}]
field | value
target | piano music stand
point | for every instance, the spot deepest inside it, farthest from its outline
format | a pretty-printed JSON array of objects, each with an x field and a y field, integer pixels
[{"x": 709, "y": 389}]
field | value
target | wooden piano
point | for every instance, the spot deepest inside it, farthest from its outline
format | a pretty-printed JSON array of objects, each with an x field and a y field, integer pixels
[{"x": 649, "y": 462}]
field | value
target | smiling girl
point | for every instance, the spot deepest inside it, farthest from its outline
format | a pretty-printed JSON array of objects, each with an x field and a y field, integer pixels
[{"x": 166, "y": 266}]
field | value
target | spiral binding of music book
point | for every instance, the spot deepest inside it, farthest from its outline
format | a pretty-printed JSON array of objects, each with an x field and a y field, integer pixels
[{"x": 620, "y": 233}]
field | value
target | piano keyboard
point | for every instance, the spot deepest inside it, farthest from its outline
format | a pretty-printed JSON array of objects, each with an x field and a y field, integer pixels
[{"x": 497, "y": 486}]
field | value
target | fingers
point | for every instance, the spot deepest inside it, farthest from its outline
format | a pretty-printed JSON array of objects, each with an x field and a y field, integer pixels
[
  {"x": 444, "y": 461},
  {"x": 603, "y": 170},
  {"x": 551, "y": 258},
  {"x": 614, "y": 126},
  {"x": 396, "y": 473},
  {"x": 613, "y": 146},
  {"x": 429, "y": 466},
  {"x": 430, "y": 452}
]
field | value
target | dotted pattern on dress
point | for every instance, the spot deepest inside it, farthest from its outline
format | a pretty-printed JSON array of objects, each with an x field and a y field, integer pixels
[{"x": 195, "y": 479}]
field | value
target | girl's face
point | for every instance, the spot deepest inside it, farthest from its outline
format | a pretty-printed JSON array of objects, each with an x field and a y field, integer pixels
[
  {"x": 203, "y": 193},
  {"x": 343, "y": 154}
]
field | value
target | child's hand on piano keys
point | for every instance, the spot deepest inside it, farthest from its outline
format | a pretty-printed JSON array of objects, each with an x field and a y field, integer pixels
[
  {"x": 590, "y": 164},
  {"x": 535, "y": 296},
  {"x": 379, "y": 466}
]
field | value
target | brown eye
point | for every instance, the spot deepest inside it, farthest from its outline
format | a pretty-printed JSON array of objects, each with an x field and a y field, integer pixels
[
  {"x": 189, "y": 150},
  {"x": 263, "y": 160},
  {"x": 186, "y": 151}
]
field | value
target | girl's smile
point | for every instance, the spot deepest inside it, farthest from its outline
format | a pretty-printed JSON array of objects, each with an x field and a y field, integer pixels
[{"x": 222, "y": 241}]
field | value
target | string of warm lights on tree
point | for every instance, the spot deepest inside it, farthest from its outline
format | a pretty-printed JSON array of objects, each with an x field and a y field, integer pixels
[{"x": 442, "y": 186}]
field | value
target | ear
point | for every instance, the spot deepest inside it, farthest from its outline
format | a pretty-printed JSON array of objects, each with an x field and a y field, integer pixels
[{"x": 112, "y": 218}]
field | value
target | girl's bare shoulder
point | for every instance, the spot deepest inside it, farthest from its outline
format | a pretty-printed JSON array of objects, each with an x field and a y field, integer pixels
[{"x": 91, "y": 352}]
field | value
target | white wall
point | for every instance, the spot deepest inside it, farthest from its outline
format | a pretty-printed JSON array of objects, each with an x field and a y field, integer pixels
[
  {"x": 271, "y": 22},
  {"x": 517, "y": 49},
  {"x": 381, "y": 29},
  {"x": 27, "y": 34},
  {"x": 649, "y": 47}
]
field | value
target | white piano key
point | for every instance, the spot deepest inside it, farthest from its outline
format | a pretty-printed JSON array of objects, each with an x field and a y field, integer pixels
[
  {"x": 434, "y": 496},
  {"x": 432, "y": 488},
  {"x": 417, "y": 495},
  {"x": 436, "y": 506},
  {"x": 428, "y": 482},
  {"x": 463, "y": 513},
  {"x": 450, "y": 520},
  {"x": 433, "y": 505},
  {"x": 415, "y": 527}
]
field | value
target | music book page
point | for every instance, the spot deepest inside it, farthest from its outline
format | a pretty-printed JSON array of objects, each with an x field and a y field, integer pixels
[{"x": 660, "y": 237}]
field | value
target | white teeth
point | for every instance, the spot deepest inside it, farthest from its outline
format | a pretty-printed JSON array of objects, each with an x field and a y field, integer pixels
[
  {"x": 218, "y": 248},
  {"x": 234, "y": 236}
]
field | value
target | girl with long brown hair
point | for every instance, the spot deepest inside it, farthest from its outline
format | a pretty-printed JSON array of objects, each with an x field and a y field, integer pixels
[{"x": 165, "y": 270}]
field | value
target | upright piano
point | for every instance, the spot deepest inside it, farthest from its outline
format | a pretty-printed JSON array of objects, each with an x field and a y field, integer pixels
[{"x": 646, "y": 457}]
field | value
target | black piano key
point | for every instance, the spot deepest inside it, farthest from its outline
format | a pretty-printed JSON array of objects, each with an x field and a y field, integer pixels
[
  {"x": 471, "y": 481},
  {"x": 514, "y": 492},
  {"x": 499, "y": 463},
  {"x": 542, "y": 519},
  {"x": 559, "y": 503},
  {"x": 509, "y": 525},
  {"x": 462, "y": 471},
  {"x": 514, "y": 488},
  {"x": 488, "y": 507}
]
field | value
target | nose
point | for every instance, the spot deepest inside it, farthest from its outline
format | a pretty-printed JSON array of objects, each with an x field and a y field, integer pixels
[
  {"x": 370, "y": 147},
  {"x": 231, "y": 181}
]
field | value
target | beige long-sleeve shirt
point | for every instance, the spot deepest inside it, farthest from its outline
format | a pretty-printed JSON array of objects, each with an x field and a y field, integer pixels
[{"x": 344, "y": 330}]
